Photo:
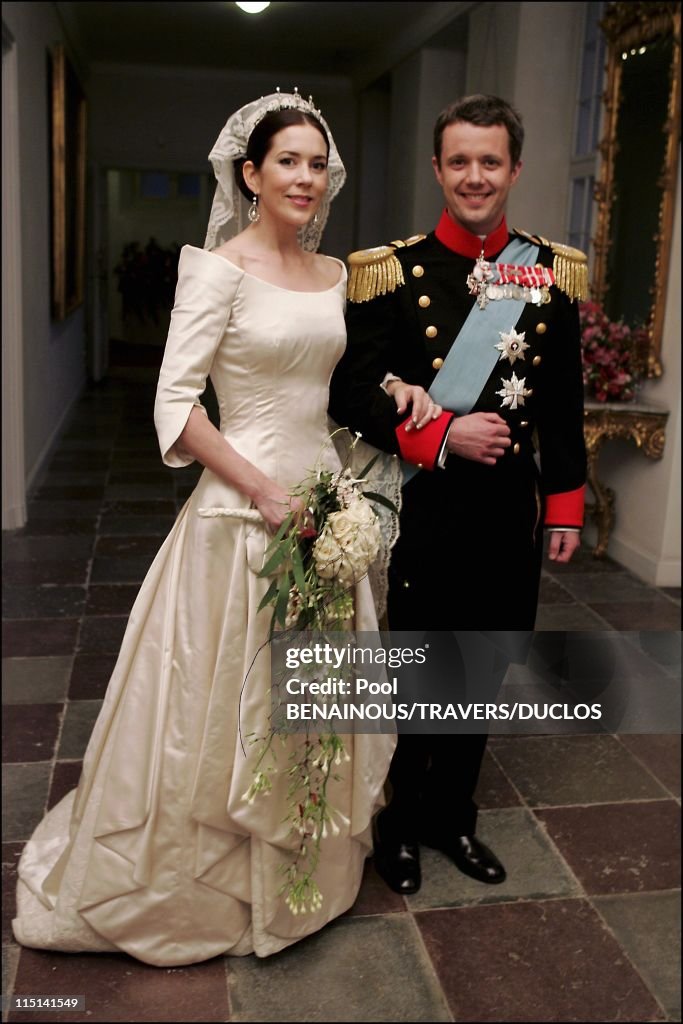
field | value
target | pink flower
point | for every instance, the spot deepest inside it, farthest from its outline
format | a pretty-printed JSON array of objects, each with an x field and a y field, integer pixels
[{"x": 608, "y": 349}]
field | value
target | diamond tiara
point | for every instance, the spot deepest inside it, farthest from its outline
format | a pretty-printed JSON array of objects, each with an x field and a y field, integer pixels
[{"x": 288, "y": 101}]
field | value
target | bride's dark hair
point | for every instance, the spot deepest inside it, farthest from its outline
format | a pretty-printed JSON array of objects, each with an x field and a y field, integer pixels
[{"x": 260, "y": 138}]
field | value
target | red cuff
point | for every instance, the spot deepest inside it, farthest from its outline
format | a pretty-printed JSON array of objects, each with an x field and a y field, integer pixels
[
  {"x": 422, "y": 447},
  {"x": 566, "y": 508}
]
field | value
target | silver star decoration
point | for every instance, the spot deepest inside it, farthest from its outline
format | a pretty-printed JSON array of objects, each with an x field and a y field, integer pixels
[
  {"x": 513, "y": 391},
  {"x": 512, "y": 345}
]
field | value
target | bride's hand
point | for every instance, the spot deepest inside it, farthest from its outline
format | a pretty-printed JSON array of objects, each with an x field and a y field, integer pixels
[
  {"x": 276, "y": 506},
  {"x": 424, "y": 409}
]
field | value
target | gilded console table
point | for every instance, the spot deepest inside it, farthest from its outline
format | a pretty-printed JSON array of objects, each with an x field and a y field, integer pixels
[{"x": 640, "y": 422}]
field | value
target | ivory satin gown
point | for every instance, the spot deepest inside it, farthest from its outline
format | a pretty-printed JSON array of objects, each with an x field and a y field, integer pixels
[{"x": 156, "y": 853}]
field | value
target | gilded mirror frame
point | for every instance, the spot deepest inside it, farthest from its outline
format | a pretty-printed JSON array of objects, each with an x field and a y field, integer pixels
[
  {"x": 629, "y": 25},
  {"x": 68, "y": 143}
]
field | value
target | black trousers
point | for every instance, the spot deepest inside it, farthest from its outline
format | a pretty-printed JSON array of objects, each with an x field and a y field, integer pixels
[
  {"x": 466, "y": 569},
  {"x": 433, "y": 779},
  {"x": 434, "y": 774}
]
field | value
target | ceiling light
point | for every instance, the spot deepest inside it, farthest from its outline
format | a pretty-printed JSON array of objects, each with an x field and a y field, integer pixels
[{"x": 253, "y": 8}]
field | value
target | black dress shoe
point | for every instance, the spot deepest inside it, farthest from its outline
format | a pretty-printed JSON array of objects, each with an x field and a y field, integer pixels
[
  {"x": 397, "y": 859},
  {"x": 471, "y": 856}
]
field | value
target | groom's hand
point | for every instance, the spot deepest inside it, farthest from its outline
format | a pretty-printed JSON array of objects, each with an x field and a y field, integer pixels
[
  {"x": 479, "y": 436},
  {"x": 563, "y": 544}
]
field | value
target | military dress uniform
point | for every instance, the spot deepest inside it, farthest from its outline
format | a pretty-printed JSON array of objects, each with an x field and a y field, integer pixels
[{"x": 471, "y": 535}]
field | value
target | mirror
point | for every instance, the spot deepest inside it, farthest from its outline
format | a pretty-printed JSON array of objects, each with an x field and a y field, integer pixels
[{"x": 639, "y": 152}]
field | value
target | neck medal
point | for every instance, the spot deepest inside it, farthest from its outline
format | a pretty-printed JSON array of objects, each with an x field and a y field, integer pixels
[
  {"x": 509, "y": 281},
  {"x": 478, "y": 280}
]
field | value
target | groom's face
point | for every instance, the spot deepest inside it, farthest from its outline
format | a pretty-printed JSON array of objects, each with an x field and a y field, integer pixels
[{"x": 476, "y": 173}]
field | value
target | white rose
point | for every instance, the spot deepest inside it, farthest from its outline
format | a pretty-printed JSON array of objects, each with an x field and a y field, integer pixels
[
  {"x": 327, "y": 554},
  {"x": 348, "y": 543},
  {"x": 361, "y": 511},
  {"x": 352, "y": 521},
  {"x": 357, "y": 531},
  {"x": 353, "y": 568}
]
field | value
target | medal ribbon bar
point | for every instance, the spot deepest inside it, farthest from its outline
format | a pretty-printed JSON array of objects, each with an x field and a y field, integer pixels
[{"x": 530, "y": 277}]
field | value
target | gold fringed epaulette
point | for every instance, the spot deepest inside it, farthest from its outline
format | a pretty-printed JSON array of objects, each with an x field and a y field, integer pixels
[
  {"x": 373, "y": 272},
  {"x": 570, "y": 267}
]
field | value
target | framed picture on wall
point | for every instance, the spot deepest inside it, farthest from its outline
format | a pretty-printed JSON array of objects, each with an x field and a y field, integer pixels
[{"x": 68, "y": 127}]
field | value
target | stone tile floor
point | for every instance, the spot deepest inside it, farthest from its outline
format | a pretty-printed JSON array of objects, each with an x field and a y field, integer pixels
[{"x": 586, "y": 926}]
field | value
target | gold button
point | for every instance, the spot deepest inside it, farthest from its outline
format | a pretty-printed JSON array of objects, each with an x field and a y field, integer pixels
[
  {"x": 419, "y": 465},
  {"x": 537, "y": 360},
  {"x": 516, "y": 449},
  {"x": 437, "y": 363},
  {"x": 524, "y": 423},
  {"x": 541, "y": 328},
  {"x": 406, "y": 584},
  {"x": 418, "y": 271},
  {"x": 431, "y": 332},
  {"x": 424, "y": 301}
]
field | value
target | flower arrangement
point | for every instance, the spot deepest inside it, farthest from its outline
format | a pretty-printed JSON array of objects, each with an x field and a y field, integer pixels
[
  {"x": 317, "y": 564},
  {"x": 608, "y": 350}
]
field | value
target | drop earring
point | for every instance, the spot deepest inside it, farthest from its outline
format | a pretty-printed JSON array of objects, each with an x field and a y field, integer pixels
[
  {"x": 316, "y": 218},
  {"x": 254, "y": 214}
]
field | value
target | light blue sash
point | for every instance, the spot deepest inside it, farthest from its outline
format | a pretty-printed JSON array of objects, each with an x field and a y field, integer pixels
[{"x": 473, "y": 354}]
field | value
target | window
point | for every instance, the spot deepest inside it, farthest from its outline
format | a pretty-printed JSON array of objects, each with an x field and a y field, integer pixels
[
  {"x": 586, "y": 130},
  {"x": 188, "y": 186},
  {"x": 154, "y": 185},
  {"x": 590, "y": 83},
  {"x": 163, "y": 185}
]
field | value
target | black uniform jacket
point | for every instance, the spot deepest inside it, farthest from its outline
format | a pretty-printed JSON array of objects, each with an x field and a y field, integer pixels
[{"x": 471, "y": 535}]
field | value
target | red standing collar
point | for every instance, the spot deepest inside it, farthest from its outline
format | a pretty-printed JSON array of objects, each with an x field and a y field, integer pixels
[{"x": 459, "y": 240}]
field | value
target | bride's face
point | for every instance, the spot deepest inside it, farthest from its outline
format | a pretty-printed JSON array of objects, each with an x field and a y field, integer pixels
[{"x": 292, "y": 179}]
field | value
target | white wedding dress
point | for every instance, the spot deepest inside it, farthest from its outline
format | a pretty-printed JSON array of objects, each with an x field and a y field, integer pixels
[{"x": 157, "y": 853}]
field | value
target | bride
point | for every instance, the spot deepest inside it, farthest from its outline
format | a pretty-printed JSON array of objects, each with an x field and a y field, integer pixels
[{"x": 157, "y": 853}]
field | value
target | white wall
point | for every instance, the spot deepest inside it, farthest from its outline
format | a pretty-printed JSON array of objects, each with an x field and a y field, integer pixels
[
  {"x": 442, "y": 80},
  {"x": 549, "y": 41},
  {"x": 373, "y": 167},
  {"x": 647, "y": 532},
  {"x": 514, "y": 53},
  {"x": 54, "y": 353},
  {"x": 401, "y": 183},
  {"x": 492, "y": 49},
  {"x": 422, "y": 86}
]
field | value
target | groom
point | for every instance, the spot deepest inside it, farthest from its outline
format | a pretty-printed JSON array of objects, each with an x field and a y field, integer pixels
[{"x": 496, "y": 309}]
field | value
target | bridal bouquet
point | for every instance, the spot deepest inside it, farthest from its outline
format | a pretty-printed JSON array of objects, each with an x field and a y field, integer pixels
[
  {"x": 319, "y": 562},
  {"x": 316, "y": 560}
]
